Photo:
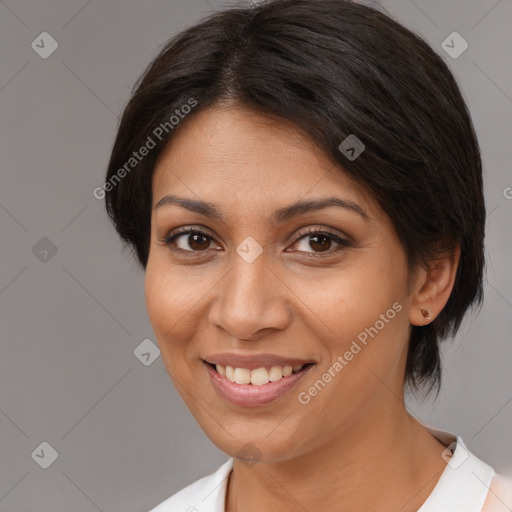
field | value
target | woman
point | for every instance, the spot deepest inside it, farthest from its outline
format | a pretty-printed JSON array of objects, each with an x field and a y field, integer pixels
[{"x": 302, "y": 184}]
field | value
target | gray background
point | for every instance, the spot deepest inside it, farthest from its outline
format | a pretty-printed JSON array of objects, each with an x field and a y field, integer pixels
[{"x": 70, "y": 321}]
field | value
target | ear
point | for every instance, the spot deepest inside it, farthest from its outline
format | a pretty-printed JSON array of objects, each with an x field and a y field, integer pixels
[{"x": 432, "y": 287}]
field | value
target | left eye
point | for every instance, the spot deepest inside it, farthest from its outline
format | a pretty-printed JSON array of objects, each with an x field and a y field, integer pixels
[{"x": 320, "y": 240}]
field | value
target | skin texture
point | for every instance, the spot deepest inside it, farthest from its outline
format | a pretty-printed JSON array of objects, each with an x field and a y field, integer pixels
[
  {"x": 499, "y": 498},
  {"x": 353, "y": 446}
]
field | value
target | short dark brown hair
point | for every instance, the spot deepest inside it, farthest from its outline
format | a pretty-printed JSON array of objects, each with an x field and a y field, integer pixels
[{"x": 333, "y": 68}]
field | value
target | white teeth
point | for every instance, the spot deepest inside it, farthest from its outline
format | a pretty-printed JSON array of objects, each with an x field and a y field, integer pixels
[
  {"x": 242, "y": 375},
  {"x": 230, "y": 373},
  {"x": 276, "y": 373},
  {"x": 258, "y": 376}
]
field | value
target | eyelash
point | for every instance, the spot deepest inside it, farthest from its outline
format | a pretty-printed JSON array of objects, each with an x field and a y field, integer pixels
[{"x": 171, "y": 237}]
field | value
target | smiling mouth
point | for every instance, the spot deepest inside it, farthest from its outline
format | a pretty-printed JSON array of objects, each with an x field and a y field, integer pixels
[{"x": 257, "y": 376}]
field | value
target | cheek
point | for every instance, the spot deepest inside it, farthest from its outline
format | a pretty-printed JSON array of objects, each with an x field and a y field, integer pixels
[
  {"x": 169, "y": 296},
  {"x": 363, "y": 313},
  {"x": 376, "y": 324},
  {"x": 346, "y": 301},
  {"x": 157, "y": 302},
  {"x": 364, "y": 366},
  {"x": 170, "y": 304}
]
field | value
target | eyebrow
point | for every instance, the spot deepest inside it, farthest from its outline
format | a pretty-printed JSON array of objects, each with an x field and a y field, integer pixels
[{"x": 280, "y": 215}]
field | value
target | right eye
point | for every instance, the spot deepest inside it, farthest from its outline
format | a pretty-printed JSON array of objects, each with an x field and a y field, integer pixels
[{"x": 196, "y": 240}]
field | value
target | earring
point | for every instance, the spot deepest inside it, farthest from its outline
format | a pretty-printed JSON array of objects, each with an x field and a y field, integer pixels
[{"x": 426, "y": 314}]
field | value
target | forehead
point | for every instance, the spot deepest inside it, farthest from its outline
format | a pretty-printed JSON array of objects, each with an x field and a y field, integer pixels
[{"x": 238, "y": 156}]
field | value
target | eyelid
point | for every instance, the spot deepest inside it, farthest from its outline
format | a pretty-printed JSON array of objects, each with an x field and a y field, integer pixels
[{"x": 324, "y": 230}]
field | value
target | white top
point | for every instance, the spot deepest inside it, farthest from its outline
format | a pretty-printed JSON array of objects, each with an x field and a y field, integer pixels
[{"x": 462, "y": 487}]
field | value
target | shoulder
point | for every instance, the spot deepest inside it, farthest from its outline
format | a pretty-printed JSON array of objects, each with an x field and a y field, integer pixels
[
  {"x": 499, "y": 497},
  {"x": 205, "y": 495}
]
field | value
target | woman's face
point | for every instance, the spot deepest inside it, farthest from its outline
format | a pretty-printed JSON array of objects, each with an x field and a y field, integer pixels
[{"x": 325, "y": 286}]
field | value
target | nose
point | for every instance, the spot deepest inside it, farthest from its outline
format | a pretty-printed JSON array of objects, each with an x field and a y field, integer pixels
[{"x": 252, "y": 300}]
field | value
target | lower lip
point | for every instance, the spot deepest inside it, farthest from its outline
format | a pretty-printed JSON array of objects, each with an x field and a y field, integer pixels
[{"x": 251, "y": 395}]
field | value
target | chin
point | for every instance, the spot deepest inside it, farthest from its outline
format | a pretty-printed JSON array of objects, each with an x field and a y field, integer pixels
[{"x": 252, "y": 447}]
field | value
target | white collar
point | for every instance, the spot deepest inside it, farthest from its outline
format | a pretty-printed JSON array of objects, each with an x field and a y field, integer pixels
[
  {"x": 465, "y": 481},
  {"x": 462, "y": 487}
]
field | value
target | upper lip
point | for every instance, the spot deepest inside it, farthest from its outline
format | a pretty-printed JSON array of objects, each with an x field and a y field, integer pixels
[{"x": 254, "y": 360}]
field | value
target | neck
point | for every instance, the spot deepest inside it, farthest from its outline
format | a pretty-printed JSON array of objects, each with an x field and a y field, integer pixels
[{"x": 386, "y": 461}]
